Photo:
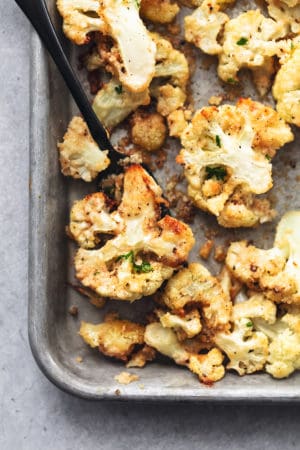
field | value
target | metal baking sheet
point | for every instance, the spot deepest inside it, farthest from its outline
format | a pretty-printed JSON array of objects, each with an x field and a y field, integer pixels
[{"x": 53, "y": 332}]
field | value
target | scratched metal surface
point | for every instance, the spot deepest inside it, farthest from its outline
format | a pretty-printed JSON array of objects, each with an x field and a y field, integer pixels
[{"x": 53, "y": 332}]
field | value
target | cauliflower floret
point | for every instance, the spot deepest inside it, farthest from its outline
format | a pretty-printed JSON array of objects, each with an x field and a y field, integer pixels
[
  {"x": 148, "y": 130},
  {"x": 286, "y": 88},
  {"x": 159, "y": 11},
  {"x": 208, "y": 367},
  {"x": 145, "y": 250},
  {"x": 203, "y": 27},
  {"x": 177, "y": 123},
  {"x": 90, "y": 217},
  {"x": 140, "y": 358},
  {"x": 275, "y": 272},
  {"x": 284, "y": 347},
  {"x": 80, "y": 17},
  {"x": 115, "y": 338},
  {"x": 133, "y": 57},
  {"x": 249, "y": 42},
  {"x": 79, "y": 155},
  {"x": 186, "y": 326},
  {"x": 228, "y": 148},
  {"x": 196, "y": 285},
  {"x": 287, "y": 14},
  {"x": 255, "y": 307},
  {"x": 246, "y": 349},
  {"x": 114, "y": 103}
]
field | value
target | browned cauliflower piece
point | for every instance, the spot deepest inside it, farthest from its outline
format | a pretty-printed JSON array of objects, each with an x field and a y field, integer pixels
[
  {"x": 145, "y": 249},
  {"x": 274, "y": 272},
  {"x": 208, "y": 367},
  {"x": 79, "y": 155},
  {"x": 159, "y": 11},
  {"x": 113, "y": 337},
  {"x": 227, "y": 154},
  {"x": 185, "y": 325},
  {"x": 141, "y": 357},
  {"x": 195, "y": 285},
  {"x": 286, "y": 14},
  {"x": 148, "y": 130}
]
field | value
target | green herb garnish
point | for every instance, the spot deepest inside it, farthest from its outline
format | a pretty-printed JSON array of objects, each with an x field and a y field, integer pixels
[
  {"x": 138, "y": 3},
  {"x": 144, "y": 267},
  {"x": 218, "y": 141},
  {"x": 217, "y": 172},
  {"x": 232, "y": 81},
  {"x": 292, "y": 46},
  {"x": 109, "y": 190},
  {"x": 119, "y": 89},
  {"x": 242, "y": 41},
  {"x": 249, "y": 324},
  {"x": 268, "y": 157}
]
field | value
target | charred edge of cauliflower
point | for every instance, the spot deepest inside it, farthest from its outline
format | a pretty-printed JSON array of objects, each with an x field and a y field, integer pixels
[
  {"x": 226, "y": 156},
  {"x": 284, "y": 347},
  {"x": 247, "y": 350},
  {"x": 208, "y": 367},
  {"x": 275, "y": 272},
  {"x": 195, "y": 285},
  {"x": 145, "y": 249},
  {"x": 80, "y": 156},
  {"x": 115, "y": 338},
  {"x": 159, "y": 11}
]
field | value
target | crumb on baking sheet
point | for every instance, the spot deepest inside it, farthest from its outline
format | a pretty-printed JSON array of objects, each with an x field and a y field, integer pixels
[
  {"x": 220, "y": 253},
  {"x": 126, "y": 378},
  {"x": 215, "y": 100},
  {"x": 73, "y": 311},
  {"x": 79, "y": 359},
  {"x": 206, "y": 249},
  {"x": 118, "y": 392}
]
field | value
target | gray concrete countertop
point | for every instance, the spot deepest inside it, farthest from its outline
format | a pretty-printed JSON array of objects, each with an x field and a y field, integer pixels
[{"x": 34, "y": 413}]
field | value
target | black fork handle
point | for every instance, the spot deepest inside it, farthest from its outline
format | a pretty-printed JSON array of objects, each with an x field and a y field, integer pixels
[{"x": 37, "y": 12}]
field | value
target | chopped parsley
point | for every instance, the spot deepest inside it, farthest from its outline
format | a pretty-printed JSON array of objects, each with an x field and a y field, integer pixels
[
  {"x": 144, "y": 267},
  {"x": 218, "y": 141},
  {"x": 109, "y": 190},
  {"x": 138, "y": 3},
  {"x": 268, "y": 157},
  {"x": 292, "y": 46},
  {"x": 242, "y": 41},
  {"x": 249, "y": 324},
  {"x": 231, "y": 80},
  {"x": 119, "y": 89},
  {"x": 217, "y": 172}
]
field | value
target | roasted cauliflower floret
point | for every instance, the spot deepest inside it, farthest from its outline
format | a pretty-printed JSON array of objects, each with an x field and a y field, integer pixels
[
  {"x": 79, "y": 155},
  {"x": 227, "y": 151},
  {"x": 284, "y": 347},
  {"x": 195, "y": 285},
  {"x": 148, "y": 130},
  {"x": 186, "y": 325},
  {"x": 80, "y": 17},
  {"x": 246, "y": 349},
  {"x": 132, "y": 58},
  {"x": 275, "y": 272},
  {"x": 286, "y": 13},
  {"x": 286, "y": 88},
  {"x": 141, "y": 357},
  {"x": 113, "y": 103},
  {"x": 208, "y": 367},
  {"x": 145, "y": 249},
  {"x": 115, "y": 338},
  {"x": 249, "y": 42},
  {"x": 89, "y": 218},
  {"x": 204, "y": 25},
  {"x": 256, "y": 307},
  {"x": 159, "y": 11}
]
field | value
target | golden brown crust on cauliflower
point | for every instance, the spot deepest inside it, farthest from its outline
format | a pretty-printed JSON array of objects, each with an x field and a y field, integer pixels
[
  {"x": 185, "y": 325},
  {"x": 159, "y": 11},
  {"x": 226, "y": 156},
  {"x": 115, "y": 338},
  {"x": 286, "y": 88},
  {"x": 275, "y": 272},
  {"x": 195, "y": 285},
  {"x": 208, "y": 367},
  {"x": 79, "y": 155},
  {"x": 80, "y": 17},
  {"x": 148, "y": 130},
  {"x": 141, "y": 357},
  {"x": 145, "y": 249}
]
